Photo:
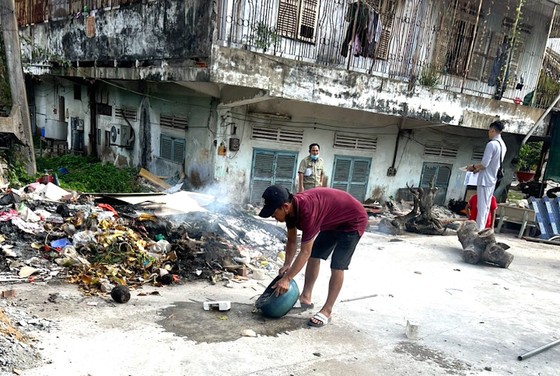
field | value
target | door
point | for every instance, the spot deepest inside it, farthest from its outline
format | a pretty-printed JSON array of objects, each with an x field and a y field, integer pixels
[
  {"x": 271, "y": 167},
  {"x": 351, "y": 175},
  {"x": 442, "y": 173}
]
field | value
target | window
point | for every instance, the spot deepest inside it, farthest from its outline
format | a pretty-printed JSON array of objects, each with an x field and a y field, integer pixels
[
  {"x": 351, "y": 174},
  {"x": 456, "y": 36},
  {"x": 387, "y": 9},
  {"x": 271, "y": 167},
  {"x": 172, "y": 148},
  {"x": 439, "y": 173},
  {"x": 297, "y": 19}
]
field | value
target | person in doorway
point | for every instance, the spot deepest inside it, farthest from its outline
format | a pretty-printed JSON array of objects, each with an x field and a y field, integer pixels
[
  {"x": 487, "y": 171},
  {"x": 472, "y": 210},
  {"x": 310, "y": 171},
  {"x": 332, "y": 222}
]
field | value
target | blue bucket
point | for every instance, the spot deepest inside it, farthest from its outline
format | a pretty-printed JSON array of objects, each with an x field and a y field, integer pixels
[{"x": 274, "y": 306}]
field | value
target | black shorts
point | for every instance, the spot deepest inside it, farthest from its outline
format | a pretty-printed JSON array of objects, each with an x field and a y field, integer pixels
[{"x": 343, "y": 244}]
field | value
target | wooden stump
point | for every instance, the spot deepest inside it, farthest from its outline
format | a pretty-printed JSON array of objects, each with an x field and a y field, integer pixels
[{"x": 482, "y": 246}]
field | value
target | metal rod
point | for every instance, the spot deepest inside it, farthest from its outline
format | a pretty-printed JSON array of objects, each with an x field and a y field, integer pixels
[
  {"x": 360, "y": 298},
  {"x": 539, "y": 350}
]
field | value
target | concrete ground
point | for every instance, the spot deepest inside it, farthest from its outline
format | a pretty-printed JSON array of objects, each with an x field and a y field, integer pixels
[{"x": 471, "y": 320}]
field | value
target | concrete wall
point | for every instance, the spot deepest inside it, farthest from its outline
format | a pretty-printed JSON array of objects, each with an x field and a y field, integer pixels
[{"x": 170, "y": 29}]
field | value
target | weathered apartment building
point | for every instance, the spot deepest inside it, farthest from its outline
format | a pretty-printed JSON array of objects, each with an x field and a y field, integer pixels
[{"x": 233, "y": 91}]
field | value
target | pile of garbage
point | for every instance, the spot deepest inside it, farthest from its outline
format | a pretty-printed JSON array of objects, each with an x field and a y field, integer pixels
[{"x": 101, "y": 242}]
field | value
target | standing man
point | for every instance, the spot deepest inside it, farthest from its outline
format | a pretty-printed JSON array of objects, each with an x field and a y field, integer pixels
[
  {"x": 310, "y": 171},
  {"x": 331, "y": 221},
  {"x": 494, "y": 154}
]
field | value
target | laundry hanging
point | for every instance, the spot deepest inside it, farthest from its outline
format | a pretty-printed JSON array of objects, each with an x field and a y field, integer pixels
[{"x": 367, "y": 33}]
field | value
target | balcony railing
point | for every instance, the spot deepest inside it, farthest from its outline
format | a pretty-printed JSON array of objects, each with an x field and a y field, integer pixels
[
  {"x": 439, "y": 44},
  {"x": 446, "y": 44}
]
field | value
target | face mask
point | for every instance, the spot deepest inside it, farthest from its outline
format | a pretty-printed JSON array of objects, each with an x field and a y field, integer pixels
[{"x": 314, "y": 157}]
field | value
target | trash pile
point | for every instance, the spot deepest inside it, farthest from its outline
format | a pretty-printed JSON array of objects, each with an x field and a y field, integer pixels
[{"x": 102, "y": 242}]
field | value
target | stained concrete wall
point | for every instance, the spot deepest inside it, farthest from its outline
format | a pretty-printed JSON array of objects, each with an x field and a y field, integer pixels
[
  {"x": 298, "y": 81},
  {"x": 170, "y": 29}
]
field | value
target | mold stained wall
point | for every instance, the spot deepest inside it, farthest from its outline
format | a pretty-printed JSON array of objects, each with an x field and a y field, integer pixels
[
  {"x": 168, "y": 29},
  {"x": 321, "y": 131}
]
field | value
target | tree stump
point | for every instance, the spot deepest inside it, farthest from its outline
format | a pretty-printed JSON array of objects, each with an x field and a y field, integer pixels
[
  {"x": 420, "y": 219},
  {"x": 482, "y": 246}
]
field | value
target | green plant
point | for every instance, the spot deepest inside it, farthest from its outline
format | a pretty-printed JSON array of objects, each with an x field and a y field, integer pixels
[
  {"x": 429, "y": 76},
  {"x": 265, "y": 36},
  {"x": 86, "y": 174},
  {"x": 529, "y": 156}
]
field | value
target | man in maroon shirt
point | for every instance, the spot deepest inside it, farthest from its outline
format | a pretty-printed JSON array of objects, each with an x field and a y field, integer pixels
[{"x": 331, "y": 221}]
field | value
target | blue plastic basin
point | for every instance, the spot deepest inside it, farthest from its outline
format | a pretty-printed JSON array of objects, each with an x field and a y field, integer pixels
[{"x": 274, "y": 306}]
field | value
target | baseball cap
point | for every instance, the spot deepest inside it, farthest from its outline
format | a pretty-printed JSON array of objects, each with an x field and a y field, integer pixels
[{"x": 274, "y": 196}]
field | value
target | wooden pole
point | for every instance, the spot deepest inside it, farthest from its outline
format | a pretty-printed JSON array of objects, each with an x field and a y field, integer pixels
[{"x": 9, "y": 25}]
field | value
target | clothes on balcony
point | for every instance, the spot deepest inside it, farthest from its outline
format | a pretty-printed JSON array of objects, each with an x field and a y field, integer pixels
[
  {"x": 367, "y": 33},
  {"x": 501, "y": 58}
]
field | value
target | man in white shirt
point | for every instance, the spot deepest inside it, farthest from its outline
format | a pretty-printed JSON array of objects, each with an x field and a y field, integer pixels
[{"x": 488, "y": 167}]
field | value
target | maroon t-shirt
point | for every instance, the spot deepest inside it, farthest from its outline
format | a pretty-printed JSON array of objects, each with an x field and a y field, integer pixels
[{"x": 327, "y": 209}]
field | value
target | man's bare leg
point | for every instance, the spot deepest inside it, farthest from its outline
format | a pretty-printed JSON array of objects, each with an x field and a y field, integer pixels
[
  {"x": 311, "y": 274},
  {"x": 335, "y": 285}
]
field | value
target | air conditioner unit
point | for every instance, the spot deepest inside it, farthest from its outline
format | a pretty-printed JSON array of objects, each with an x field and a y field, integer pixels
[{"x": 121, "y": 135}]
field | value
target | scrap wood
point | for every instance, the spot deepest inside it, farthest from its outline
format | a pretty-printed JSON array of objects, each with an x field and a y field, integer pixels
[{"x": 153, "y": 179}]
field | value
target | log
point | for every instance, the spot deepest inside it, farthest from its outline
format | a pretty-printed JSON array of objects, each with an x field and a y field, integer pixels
[{"x": 482, "y": 246}]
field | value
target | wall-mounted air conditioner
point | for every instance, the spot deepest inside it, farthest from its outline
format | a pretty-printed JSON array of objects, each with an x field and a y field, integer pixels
[{"x": 121, "y": 135}]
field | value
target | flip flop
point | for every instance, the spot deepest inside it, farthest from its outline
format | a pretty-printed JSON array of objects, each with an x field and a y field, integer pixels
[
  {"x": 323, "y": 320},
  {"x": 305, "y": 306}
]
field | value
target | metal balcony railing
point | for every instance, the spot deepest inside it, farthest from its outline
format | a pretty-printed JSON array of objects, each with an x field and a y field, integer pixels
[{"x": 443, "y": 44}]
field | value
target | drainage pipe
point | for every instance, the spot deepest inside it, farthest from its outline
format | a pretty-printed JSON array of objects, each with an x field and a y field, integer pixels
[{"x": 539, "y": 350}]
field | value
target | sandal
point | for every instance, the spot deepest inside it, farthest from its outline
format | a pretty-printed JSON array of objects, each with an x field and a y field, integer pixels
[
  {"x": 320, "y": 320},
  {"x": 305, "y": 306}
]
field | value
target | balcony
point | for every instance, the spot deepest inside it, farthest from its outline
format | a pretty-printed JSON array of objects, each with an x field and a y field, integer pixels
[{"x": 455, "y": 46}]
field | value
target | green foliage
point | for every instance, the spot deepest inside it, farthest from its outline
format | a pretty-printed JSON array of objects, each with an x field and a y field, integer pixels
[
  {"x": 265, "y": 36},
  {"x": 530, "y": 156},
  {"x": 547, "y": 89},
  {"x": 86, "y": 174},
  {"x": 430, "y": 76}
]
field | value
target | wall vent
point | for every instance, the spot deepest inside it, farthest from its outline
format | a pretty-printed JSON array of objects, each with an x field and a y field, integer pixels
[
  {"x": 345, "y": 141},
  {"x": 286, "y": 135},
  {"x": 125, "y": 113},
  {"x": 174, "y": 121},
  {"x": 477, "y": 154},
  {"x": 441, "y": 151}
]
